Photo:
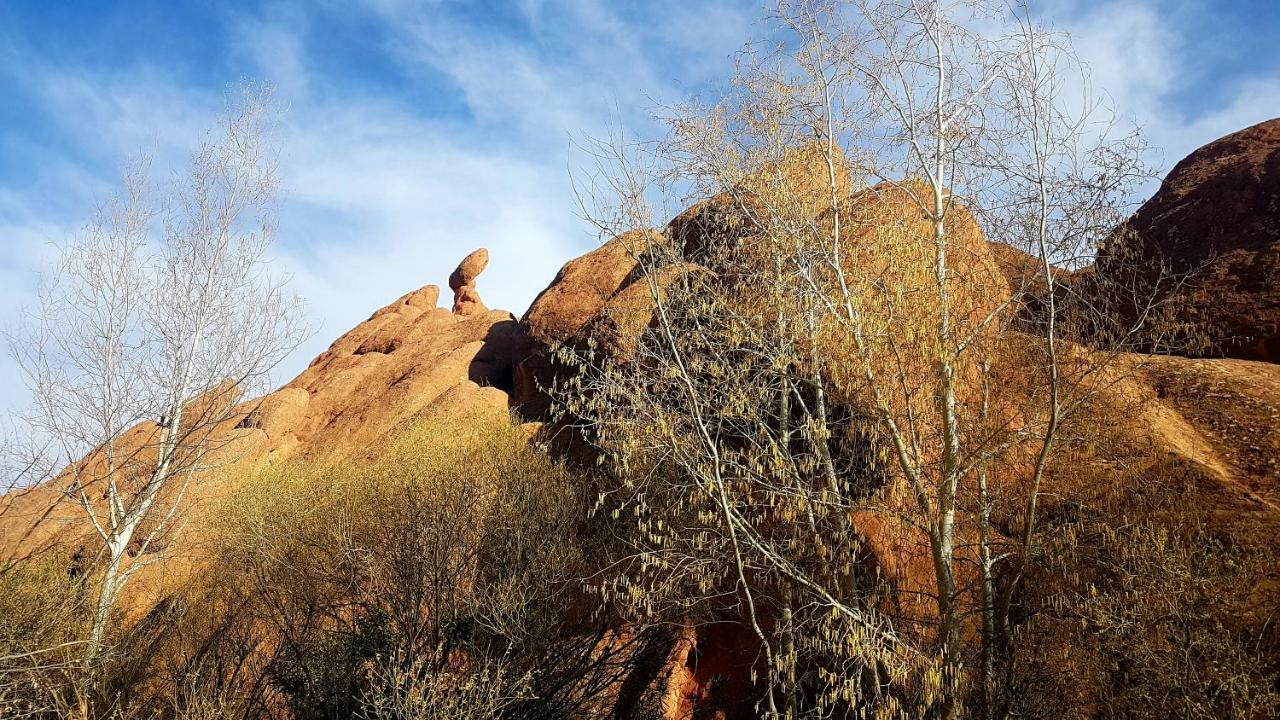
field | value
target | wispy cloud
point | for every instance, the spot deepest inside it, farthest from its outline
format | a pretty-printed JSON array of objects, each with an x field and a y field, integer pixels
[
  {"x": 1146, "y": 55},
  {"x": 274, "y": 43},
  {"x": 387, "y": 190},
  {"x": 418, "y": 131}
]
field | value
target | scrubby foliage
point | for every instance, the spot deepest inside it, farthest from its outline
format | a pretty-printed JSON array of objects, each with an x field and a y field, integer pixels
[
  {"x": 1147, "y": 604},
  {"x": 426, "y": 579},
  {"x": 43, "y": 622},
  {"x": 388, "y": 585}
]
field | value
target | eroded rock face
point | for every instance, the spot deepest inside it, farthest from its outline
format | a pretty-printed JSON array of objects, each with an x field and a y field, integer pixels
[
  {"x": 887, "y": 238},
  {"x": 389, "y": 368},
  {"x": 396, "y": 364},
  {"x": 1215, "y": 219}
]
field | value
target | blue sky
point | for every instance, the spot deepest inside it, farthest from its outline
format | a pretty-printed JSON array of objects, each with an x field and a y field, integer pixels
[{"x": 418, "y": 131}]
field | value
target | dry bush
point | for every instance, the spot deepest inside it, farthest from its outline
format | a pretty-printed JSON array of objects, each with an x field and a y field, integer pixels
[
  {"x": 431, "y": 577},
  {"x": 736, "y": 474},
  {"x": 43, "y": 620},
  {"x": 46, "y": 610},
  {"x": 1150, "y": 601},
  {"x": 430, "y": 571},
  {"x": 483, "y": 693}
]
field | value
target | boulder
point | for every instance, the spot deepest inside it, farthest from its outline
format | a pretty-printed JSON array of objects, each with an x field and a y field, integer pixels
[
  {"x": 617, "y": 327},
  {"x": 583, "y": 286},
  {"x": 1212, "y": 235},
  {"x": 469, "y": 269},
  {"x": 466, "y": 300},
  {"x": 561, "y": 313},
  {"x": 889, "y": 260}
]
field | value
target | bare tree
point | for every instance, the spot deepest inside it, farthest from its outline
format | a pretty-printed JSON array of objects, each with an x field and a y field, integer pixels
[
  {"x": 159, "y": 317},
  {"x": 822, "y": 329}
]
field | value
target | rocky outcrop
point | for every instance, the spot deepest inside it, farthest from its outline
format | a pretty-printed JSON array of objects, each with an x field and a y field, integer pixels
[
  {"x": 560, "y": 314},
  {"x": 889, "y": 241},
  {"x": 1211, "y": 234},
  {"x": 408, "y": 359},
  {"x": 388, "y": 369},
  {"x": 466, "y": 300},
  {"x": 598, "y": 296},
  {"x": 581, "y": 289},
  {"x": 602, "y": 295}
]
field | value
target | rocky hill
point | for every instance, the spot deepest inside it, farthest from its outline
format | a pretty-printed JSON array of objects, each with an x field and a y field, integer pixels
[
  {"x": 1213, "y": 422},
  {"x": 1208, "y": 242},
  {"x": 409, "y": 358}
]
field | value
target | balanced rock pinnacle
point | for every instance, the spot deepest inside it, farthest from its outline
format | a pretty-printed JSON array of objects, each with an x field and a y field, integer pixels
[{"x": 466, "y": 300}]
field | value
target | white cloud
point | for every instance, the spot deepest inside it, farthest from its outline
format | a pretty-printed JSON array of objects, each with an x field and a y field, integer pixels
[
  {"x": 1139, "y": 52},
  {"x": 384, "y": 196},
  {"x": 274, "y": 44},
  {"x": 381, "y": 196},
  {"x": 115, "y": 116},
  {"x": 28, "y": 250},
  {"x": 1131, "y": 54}
]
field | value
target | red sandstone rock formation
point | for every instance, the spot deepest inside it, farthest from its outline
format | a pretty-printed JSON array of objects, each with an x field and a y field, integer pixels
[
  {"x": 466, "y": 300},
  {"x": 408, "y": 359},
  {"x": 561, "y": 312},
  {"x": 597, "y": 295},
  {"x": 1216, "y": 421},
  {"x": 1216, "y": 223}
]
